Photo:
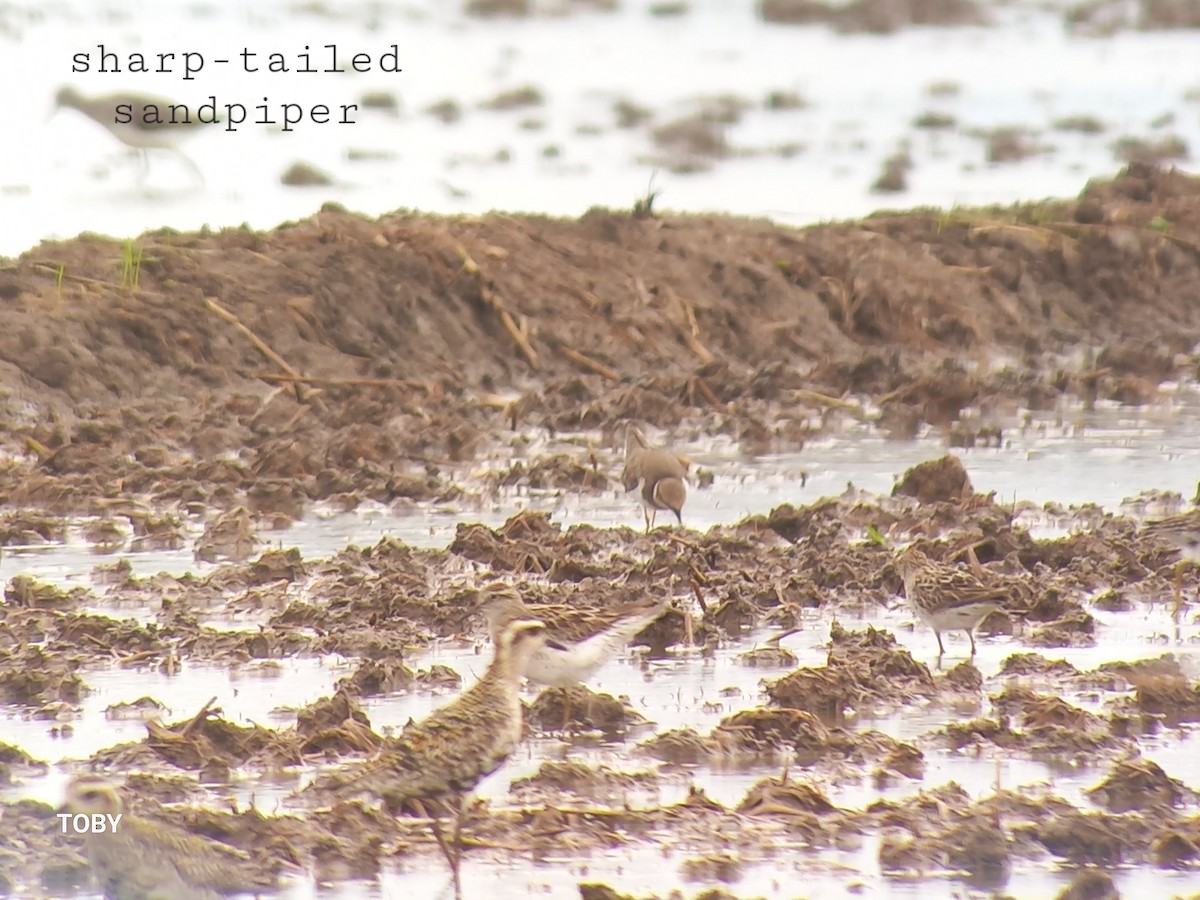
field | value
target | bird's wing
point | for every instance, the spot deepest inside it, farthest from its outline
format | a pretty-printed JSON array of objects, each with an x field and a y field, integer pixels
[
  {"x": 635, "y": 616},
  {"x": 592, "y": 652},
  {"x": 1168, "y": 527},
  {"x": 202, "y": 862},
  {"x": 565, "y": 624},
  {"x": 451, "y": 749},
  {"x": 568, "y": 625},
  {"x": 631, "y": 474},
  {"x": 961, "y": 588}
]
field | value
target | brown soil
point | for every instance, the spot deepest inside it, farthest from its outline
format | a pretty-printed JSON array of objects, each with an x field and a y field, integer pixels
[
  {"x": 1104, "y": 17},
  {"x": 409, "y": 347},
  {"x": 342, "y": 359},
  {"x": 379, "y": 602},
  {"x": 874, "y": 16}
]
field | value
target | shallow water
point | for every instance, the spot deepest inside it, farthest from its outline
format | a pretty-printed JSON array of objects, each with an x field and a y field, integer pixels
[
  {"x": 1100, "y": 457},
  {"x": 863, "y": 93},
  {"x": 67, "y": 175},
  {"x": 672, "y": 694}
]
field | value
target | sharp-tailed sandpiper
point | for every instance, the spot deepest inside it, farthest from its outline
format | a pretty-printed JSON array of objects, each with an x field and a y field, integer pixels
[
  {"x": 112, "y": 110},
  {"x": 442, "y": 757},
  {"x": 1182, "y": 532},
  {"x": 578, "y": 640},
  {"x": 139, "y": 859},
  {"x": 946, "y": 598}
]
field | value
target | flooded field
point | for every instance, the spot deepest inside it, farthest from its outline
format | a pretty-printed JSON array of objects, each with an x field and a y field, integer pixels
[
  {"x": 910, "y": 624},
  {"x": 1116, "y": 453}
]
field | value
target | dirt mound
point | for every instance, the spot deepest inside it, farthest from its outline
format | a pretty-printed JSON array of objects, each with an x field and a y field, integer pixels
[{"x": 342, "y": 358}]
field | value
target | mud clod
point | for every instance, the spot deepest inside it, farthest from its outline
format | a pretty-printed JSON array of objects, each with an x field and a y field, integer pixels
[
  {"x": 583, "y": 710},
  {"x": 864, "y": 668},
  {"x": 1138, "y": 784},
  {"x": 787, "y": 798},
  {"x": 942, "y": 480},
  {"x": 588, "y": 782},
  {"x": 1090, "y": 884}
]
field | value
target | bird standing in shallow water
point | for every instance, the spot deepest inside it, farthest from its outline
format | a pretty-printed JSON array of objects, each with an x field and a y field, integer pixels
[
  {"x": 139, "y": 859},
  {"x": 946, "y": 598},
  {"x": 578, "y": 641},
  {"x": 442, "y": 757},
  {"x": 138, "y": 133},
  {"x": 1181, "y": 532},
  {"x": 662, "y": 474}
]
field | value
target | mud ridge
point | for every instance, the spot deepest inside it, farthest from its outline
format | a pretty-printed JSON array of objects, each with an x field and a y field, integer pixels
[{"x": 344, "y": 359}]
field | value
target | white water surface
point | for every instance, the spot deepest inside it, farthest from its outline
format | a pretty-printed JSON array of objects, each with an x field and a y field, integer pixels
[{"x": 63, "y": 174}]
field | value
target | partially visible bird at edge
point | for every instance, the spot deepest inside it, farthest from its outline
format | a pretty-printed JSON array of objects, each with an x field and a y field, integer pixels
[
  {"x": 143, "y": 859},
  {"x": 138, "y": 133},
  {"x": 1182, "y": 533}
]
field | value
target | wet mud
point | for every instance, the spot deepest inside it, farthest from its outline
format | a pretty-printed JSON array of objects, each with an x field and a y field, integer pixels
[
  {"x": 340, "y": 360},
  {"x": 244, "y": 378},
  {"x": 384, "y": 603}
]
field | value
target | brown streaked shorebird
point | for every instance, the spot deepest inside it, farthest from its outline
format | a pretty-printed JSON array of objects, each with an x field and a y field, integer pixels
[
  {"x": 947, "y": 598},
  {"x": 140, "y": 859},
  {"x": 662, "y": 474},
  {"x": 137, "y": 133},
  {"x": 1181, "y": 532},
  {"x": 578, "y": 641},
  {"x": 442, "y": 757}
]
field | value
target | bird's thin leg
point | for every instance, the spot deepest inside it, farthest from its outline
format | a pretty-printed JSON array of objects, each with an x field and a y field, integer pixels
[
  {"x": 436, "y": 825},
  {"x": 191, "y": 165},
  {"x": 456, "y": 843},
  {"x": 1178, "y": 591},
  {"x": 971, "y": 635},
  {"x": 941, "y": 649},
  {"x": 646, "y": 518},
  {"x": 451, "y": 859}
]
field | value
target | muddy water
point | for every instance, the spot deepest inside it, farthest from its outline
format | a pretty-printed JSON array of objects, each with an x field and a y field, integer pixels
[
  {"x": 1100, "y": 457},
  {"x": 1103, "y": 457}
]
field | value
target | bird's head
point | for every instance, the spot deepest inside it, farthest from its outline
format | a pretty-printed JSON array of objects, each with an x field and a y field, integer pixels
[
  {"x": 909, "y": 561},
  {"x": 91, "y": 794},
  {"x": 521, "y": 639},
  {"x": 499, "y": 604},
  {"x": 67, "y": 96}
]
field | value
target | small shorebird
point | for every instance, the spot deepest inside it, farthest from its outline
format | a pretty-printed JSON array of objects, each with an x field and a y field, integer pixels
[
  {"x": 946, "y": 598},
  {"x": 1182, "y": 532},
  {"x": 139, "y": 859},
  {"x": 578, "y": 641},
  {"x": 442, "y": 757},
  {"x": 137, "y": 133},
  {"x": 662, "y": 474}
]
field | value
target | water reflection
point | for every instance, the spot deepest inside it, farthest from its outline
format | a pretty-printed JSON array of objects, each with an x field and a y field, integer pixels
[{"x": 1113, "y": 456}]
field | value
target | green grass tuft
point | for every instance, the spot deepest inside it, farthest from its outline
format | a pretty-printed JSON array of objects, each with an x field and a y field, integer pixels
[{"x": 131, "y": 265}]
